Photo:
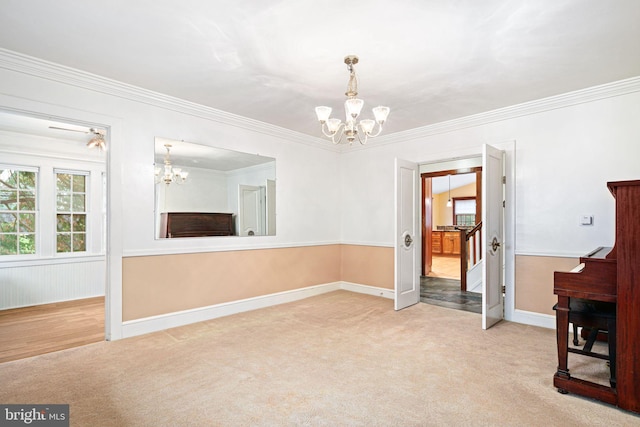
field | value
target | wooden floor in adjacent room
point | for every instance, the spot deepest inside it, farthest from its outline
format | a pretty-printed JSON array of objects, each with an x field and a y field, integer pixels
[
  {"x": 30, "y": 331},
  {"x": 447, "y": 266}
]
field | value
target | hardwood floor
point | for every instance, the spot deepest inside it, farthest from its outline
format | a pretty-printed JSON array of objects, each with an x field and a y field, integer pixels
[
  {"x": 447, "y": 266},
  {"x": 30, "y": 331}
]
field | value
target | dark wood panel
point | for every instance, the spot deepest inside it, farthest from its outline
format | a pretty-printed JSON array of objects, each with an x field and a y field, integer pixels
[{"x": 195, "y": 224}]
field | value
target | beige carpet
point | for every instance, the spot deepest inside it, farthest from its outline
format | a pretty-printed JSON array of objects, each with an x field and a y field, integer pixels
[{"x": 339, "y": 359}]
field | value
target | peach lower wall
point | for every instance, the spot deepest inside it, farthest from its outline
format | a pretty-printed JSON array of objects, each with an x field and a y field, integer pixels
[
  {"x": 368, "y": 265},
  {"x": 534, "y": 281},
  {"x": 161, "y": 284}
]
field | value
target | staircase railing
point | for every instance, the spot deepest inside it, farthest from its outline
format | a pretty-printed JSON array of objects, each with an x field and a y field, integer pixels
[{"x": 470, "y": 251}]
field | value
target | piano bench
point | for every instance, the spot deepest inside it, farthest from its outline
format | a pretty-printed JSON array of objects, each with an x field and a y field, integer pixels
[{"x": 597, "y": 317}]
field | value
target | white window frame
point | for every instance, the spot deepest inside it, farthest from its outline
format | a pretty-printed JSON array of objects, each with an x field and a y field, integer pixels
[
  {"x": 23, "y": 168},
  {"x": 87, "y": 210}
]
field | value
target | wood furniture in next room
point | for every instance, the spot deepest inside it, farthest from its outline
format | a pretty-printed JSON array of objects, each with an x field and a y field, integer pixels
[
  {"x": 445, "y": 242},
  {"x": 610, "y": 276},
  {"x": 195, "y": 224}
]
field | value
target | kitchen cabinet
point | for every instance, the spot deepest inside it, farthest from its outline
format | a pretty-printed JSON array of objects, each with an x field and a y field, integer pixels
[{"x": 451, "y": 243}]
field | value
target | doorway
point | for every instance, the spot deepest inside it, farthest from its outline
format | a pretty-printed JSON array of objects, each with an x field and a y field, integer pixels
[
  {"x": 452, "y": 207},
  {"x": 56, "y": 281}
]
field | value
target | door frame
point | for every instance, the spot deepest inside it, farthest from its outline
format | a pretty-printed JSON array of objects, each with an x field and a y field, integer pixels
[
  {"x": 509, "y": 147},
  {"x": 427, "y": 207}
]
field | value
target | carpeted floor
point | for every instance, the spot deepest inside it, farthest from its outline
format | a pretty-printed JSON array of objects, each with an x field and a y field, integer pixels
[{"x": 338, "y": 359}]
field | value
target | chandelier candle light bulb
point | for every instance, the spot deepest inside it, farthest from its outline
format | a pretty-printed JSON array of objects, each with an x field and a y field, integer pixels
[{"x": 336, "y": 130}]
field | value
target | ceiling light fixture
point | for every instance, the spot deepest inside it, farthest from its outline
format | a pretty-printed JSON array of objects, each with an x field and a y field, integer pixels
[
  {"x": 335, "y": 129},
  {"x": 449, "y": 204},
  {"x": 98, "y": 140},
  {"x": 171, "y": 174}
]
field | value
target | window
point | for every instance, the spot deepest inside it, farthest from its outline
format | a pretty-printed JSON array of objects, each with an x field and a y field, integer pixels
[
  {"x": 71, "y": 212},
  {"x": 18, "y": 211},
  {"x": 464, "y": 211}
]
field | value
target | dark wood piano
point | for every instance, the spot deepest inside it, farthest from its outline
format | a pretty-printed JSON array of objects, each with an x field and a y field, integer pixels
[
  {"x": 608, "y": 275},
  {"x": 195, "y": 224}
]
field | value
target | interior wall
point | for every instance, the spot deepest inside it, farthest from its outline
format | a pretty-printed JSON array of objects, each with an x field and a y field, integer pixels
[
  {"x": 307, "y": 176},
  {"x": 441, "y": 213},
  {"x": 164, "y": 284},
  {"x": 370, "y": 265},
  {"x": 563, "y": 159}
]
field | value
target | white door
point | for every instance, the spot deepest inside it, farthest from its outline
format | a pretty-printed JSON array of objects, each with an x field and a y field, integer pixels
[
  {"x": 493, "y": 241},
  {"x": 249, "y": 208},
  {"x": 271, "y": 207},
  {"x": 407, "y": 235}
]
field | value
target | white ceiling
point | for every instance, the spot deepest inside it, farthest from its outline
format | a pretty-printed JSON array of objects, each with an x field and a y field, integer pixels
[{"x": 275, "y": 60}]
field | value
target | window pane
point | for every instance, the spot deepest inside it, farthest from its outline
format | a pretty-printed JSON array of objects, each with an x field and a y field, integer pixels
[
  {"x": 78, "y": 183},
  {"x": 63, "y": 182},
  {"x": 27, "y": 180},
  {"x": 27, "y": 244},
  {"x": 8, "y": 200},
  {"x": 18, "y": 212},
  {"x": 64, "y": 222},
  {"x": 8, "y": 223},
  {"x": 79, "y": 223},
  {"x": 64, "y": 243},
  {"x": 63, "y": 202},
  {"x": 27, "y": 222},
  {"x": 27, "y": 201},
  {"x": 78, "y": 203},
  {"x": 8, "y": 179},
  {"x": 465, "y": 207},
  {"x": 79, "y": 242},
  {"x": 8, "y": 244}
]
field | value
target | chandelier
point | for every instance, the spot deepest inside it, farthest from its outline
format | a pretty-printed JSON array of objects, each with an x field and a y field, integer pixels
[
  {"x": 352, "y": 130},
  {"x": 171, "y": 174}
]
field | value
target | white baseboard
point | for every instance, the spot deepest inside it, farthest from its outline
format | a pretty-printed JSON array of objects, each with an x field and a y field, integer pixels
[
  {"x": 369, "y": 290},
  {"x": 136, "y": 327},
  {"x": 146, "y": 325},
  {"x": 534, "y": 319}
]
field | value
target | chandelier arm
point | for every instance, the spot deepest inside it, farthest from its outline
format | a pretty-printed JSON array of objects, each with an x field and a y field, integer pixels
[
  {"x": 323, "y": 125},
  {"x": 373, "y": 135},
  {"x": 360, "y": 139},
  {"x": 341, "y": 131}
]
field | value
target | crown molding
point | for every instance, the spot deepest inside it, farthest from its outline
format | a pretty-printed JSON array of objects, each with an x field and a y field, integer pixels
[
  {"x": 15, "y": 61},
  {"x": 37, "y": 67},
  {"x": 595, "y": 93}
]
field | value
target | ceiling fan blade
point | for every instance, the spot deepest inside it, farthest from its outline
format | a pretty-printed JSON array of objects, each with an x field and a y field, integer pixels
[{"x": 67, "y": 129}]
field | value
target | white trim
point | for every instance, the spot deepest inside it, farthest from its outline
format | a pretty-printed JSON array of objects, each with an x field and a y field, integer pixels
[
  {"x": 15, "y": 61},
  {"x": 369, "y": 290},
  {"x": 595, "y": 93},
  {"x": 250, "y": 244},
  {"x": 71, "y": 259},
  {"x": 551, "y": 254},
  {"x": 534, "y": 319},
  {"x": 171, "y": 320}
]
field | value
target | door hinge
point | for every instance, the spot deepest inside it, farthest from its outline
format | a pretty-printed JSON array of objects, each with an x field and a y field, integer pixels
[
  {"x": 504, "y": 203},
  {"x": 504, "y": 179},
  {"x": 504, "y": 289}
]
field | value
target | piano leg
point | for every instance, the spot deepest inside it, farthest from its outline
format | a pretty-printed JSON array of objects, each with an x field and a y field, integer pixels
[
  {"x": 562, "y": 336},
  {"x": 611, "y": 323}
]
